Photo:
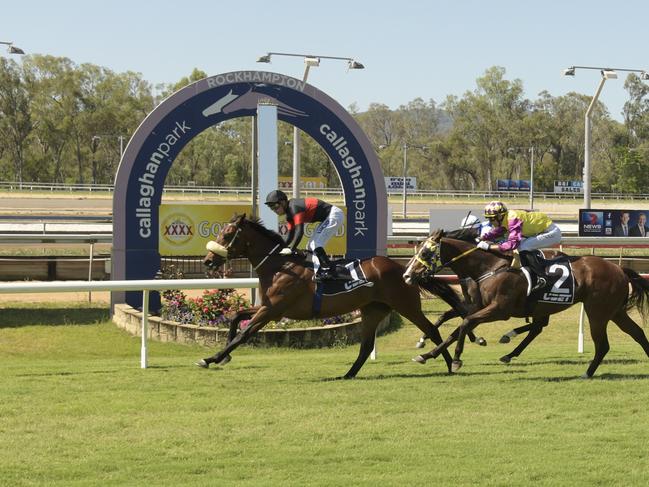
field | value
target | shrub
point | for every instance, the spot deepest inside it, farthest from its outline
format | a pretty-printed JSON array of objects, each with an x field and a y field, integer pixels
[{"x": 214, "y": 307}]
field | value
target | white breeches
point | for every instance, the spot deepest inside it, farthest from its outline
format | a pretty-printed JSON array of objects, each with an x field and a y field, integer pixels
[{"x": 552, "y": 236}]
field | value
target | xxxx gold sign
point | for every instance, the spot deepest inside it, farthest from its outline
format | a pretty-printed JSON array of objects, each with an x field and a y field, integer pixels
[{"x": 185, "y": 229}]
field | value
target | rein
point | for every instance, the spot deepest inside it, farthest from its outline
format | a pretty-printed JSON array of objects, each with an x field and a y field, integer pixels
[
  {"x": 458, "y": 257},
  {"x": 265, "y": 258},
  {"x": 222, "y": 251}
]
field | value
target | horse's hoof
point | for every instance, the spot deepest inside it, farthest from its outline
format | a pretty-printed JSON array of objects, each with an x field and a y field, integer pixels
[
  {"x": 481, "y": 341},
  {"x": 203, "y": 364},
  {"x": 421, "y": 344},
  {"x": 504, "y": 339},
  {"x": 456, "y": 365},
  {"x": 505, "y": 359},
  {"x": 419, "y": 359},
  {"x": 586, "y": 376}
]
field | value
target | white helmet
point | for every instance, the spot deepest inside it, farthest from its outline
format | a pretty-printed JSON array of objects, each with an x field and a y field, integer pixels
[{"x": 469, "y": 221}]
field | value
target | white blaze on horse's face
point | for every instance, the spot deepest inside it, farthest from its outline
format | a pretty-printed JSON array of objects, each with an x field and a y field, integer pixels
[{"x": 410, "y": 268}]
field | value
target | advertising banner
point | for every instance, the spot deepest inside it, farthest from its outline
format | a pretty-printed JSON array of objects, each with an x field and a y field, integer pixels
[
  {"x": 568, "y": 187},
  {"x": 512, "y": 185},
  {"x": 613, "y": 223},
  {"x": 286, "y": 183},
  {"x": 185, "y": 229},
  {"x": 395, "y": 184}
]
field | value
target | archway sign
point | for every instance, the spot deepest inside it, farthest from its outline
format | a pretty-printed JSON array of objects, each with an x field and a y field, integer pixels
[{"x": 181, "y": 117}]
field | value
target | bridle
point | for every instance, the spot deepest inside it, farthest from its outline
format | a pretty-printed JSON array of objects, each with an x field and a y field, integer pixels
[
  {"x": 220, "y": 250},
  {"x": 434, "y": 263},
  {"x": 223, "y": 251}
]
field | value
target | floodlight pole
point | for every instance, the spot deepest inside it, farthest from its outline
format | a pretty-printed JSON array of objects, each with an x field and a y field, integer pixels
[
  {"x": 11, "y": 49},
  {"x": 587, "y": 134},
  {"x": 606, "y": 74},
  {"x": 296, "y": 145},
  {"x": 309, "y": 60}
]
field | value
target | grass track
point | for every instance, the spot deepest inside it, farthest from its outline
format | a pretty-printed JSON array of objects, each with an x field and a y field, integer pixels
[{"x": 76, "y": 409}]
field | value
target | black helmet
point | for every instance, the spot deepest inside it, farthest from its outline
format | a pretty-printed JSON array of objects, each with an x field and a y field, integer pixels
[{"x": 275, "y": 197}]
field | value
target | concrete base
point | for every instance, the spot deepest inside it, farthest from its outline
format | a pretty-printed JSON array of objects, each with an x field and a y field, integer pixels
[{"x": 130, "y": 320}]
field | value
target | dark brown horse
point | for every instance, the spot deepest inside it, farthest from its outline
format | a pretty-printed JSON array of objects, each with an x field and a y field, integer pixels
[
  {"x": 288, "y": 290},
  {"x": 603, "y": 288}
]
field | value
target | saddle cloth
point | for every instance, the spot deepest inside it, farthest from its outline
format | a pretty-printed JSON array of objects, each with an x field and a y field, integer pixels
[
  {"x": 560, "y": 281},
  {"x": 350, "y": 276}
]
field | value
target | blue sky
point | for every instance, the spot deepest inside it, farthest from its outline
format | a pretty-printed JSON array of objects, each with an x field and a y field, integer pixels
[{"x": 426, "y": 49}]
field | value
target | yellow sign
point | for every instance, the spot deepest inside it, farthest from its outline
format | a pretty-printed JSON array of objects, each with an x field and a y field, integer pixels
[{"x": 185, "y": 229}]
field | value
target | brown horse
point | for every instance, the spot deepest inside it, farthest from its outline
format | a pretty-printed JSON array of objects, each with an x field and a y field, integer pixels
[
  {"x": 603, "y": 288},
  {"x": 288, "y": 290}
]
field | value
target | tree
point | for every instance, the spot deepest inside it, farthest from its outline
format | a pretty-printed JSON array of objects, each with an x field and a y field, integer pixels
[{"x": 15, "y": 116}]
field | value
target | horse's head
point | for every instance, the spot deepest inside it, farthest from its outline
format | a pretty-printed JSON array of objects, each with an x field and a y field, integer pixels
[
  {"x": 227, "y": 245},
  {"x": 426, "y": 261}
]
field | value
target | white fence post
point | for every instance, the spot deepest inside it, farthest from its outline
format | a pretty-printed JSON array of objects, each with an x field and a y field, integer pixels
[{"x": 145, "y": 327}]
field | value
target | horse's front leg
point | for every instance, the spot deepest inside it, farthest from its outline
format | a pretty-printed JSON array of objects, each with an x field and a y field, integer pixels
[
  {"x": 258, "y": 321},
  {"x": 488, "y": 313},
  {"x": 470, "y": 322},
  {"x": 244, "y": 314}
]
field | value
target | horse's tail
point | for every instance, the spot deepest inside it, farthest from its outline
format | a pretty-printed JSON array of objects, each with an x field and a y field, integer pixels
[
  {"x": 639, "y": 297},
  {"x": 440, "y": 288}
]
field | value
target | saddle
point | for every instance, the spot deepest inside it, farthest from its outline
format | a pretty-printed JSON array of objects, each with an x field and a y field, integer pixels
[
  {"x": 340, "y": 270},
  {"x": 350, "y": 276}
]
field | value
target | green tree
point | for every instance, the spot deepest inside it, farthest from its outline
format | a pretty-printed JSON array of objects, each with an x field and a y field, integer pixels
[{"x": 16, "y": 123}]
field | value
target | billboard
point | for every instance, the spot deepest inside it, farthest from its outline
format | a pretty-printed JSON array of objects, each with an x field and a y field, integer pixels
[
  {"x": 613, "y": 223},
  {"x": 512, "y": 185},
  {"x": 568, "y": 187},
  {"x": 395, "y": 184},
  {"x": 185, "y": 229},
  {"x": 286, "y": 183}
]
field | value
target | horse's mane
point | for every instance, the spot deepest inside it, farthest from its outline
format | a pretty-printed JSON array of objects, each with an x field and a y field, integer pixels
[
  {"x": 258, "y": 225},
  {"x": 464, "y": 234}
]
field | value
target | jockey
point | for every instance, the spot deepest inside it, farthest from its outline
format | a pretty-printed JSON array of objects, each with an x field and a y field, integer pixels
[
  {"x": 299, "y": 211},
  {"x": 526, "y": 231}
]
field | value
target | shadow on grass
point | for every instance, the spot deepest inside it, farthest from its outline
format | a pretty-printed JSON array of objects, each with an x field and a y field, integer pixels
[
  {"x": 602, "y": 377},
  {"x": 437, "y": 374},
  {"x": 64, "y": 373},
  {"x": 18, "y": 317},
  {"x": 585, "y": 361}
]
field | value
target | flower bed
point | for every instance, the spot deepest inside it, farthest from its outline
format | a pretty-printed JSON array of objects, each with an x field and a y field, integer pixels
[{"x": 159, "y": 329}]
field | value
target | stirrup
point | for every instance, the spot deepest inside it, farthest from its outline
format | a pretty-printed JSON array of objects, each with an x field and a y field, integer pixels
[
  {"x": 540, "y": 284},
  {"x": 324, "y": 274}
]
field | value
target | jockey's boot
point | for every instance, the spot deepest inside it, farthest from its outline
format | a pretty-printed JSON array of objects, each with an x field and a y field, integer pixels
[
  {"x": 327, "y": 270},
  {"x": 531, "y": 260}
]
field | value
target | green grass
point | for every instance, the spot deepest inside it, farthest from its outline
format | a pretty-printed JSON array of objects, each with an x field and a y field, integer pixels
[{"x": 76, "y": 409}]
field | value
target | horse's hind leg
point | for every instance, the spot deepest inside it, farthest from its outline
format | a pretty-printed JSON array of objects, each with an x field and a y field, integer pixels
[
  {"x": 506, "y": 338},
  {"x": 535, "y": 329},
  {"x": 371, "y": 316},
  {"x": 631, "y": 328},
  {"x": 600, "y": 339}
]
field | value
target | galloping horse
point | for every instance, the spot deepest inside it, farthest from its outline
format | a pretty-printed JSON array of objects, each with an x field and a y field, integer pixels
[
  {"x": 603, "y": 288},
  {"x": 288, "y": 290}
]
